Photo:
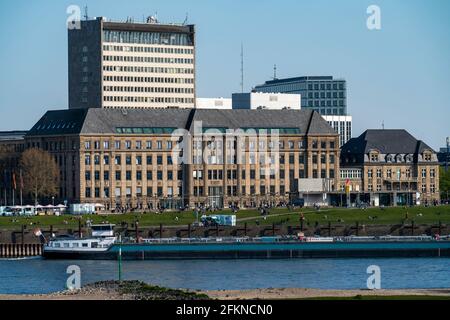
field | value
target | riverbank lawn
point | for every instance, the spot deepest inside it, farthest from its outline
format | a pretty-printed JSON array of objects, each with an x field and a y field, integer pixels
[{"x": 341, "y": 216}]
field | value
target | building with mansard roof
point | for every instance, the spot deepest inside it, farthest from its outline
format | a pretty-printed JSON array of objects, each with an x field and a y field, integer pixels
[
  {"x": 389, "y": 167},
  {"x": 136, "y": 158}
]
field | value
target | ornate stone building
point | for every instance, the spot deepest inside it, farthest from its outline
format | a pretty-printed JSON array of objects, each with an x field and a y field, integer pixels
[
  {"x": 150, "y": 158},
  {"x": 389, "y": 167}
]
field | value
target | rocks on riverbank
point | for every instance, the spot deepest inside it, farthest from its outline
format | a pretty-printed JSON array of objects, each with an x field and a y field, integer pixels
[
  {"x": 136, "y": 290},
  {"x": 115, "y": 290}
]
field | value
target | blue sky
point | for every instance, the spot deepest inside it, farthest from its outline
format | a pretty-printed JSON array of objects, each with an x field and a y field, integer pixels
[{"x": 399, "y": 74}]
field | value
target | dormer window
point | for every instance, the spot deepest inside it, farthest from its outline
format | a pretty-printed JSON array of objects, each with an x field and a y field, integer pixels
[
  {"x": 427, "y": 156},
  {"x": 409, "y": 158},
  {"x": 399, "y": 158},
  {"x": 390, "y": 158},
  {"x": 374, "y": 157}
]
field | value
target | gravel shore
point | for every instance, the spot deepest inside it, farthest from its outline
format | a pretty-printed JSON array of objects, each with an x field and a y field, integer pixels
[
  {"x": 114, "y": 290},
  {"x": 300, "y": 293},
  {"x": 135, "y": 290}
]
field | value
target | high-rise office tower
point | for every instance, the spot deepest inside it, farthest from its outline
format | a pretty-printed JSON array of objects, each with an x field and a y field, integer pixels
[
  {"x": 131, "y": 65},
  {"x": 323, "y": 94}
]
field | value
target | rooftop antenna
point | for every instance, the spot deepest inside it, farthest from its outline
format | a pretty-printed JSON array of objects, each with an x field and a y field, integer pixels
[
  {"x": 242, "y": 67},
  {"x": 86, "y": 16},
  {"x": 382, "y": 125},
  {"x": 186, "y": 19},
  {"x": 274, "y": 72}
]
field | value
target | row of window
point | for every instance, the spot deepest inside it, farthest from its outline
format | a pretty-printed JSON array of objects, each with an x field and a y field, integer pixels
[
  {"x": 328, "y": 95},
  {"x": 149, "y": 79},
  {"x": 232, "y": 191},
  {"x": 138, "y": 175},
  {"x": 147, "y": 89},
  {"x": 331, "y": 112},
  {"x": 127, "y": 144},
  {"x": 197, "y": 145},
  {"x": 326, "y": 86},
  {"x": 233, "y": 174},
  {"x": 166, "y": 50},
  {"x": 148, "y": 99},
  {"x": 198, "y": 175},
  {"x": 326, "y": 103},
  {"x": 252, "y": 159},
  {"x": 397, "y": 187},
  {"x": 161, "y": 38},
  {"x": 262, "y": 144},
  {"x": 390, "y": 158},
  {"x": 149, "y": 59},
  {"x": 148, "y": 69},
  {"x": 138, "y": 160},
  {"x": 398, "y": 174},
  {"x": 128, "y": 192},
  {"x": 351, "y": 173}
]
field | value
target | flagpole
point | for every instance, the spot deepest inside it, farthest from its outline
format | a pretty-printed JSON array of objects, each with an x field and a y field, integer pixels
[
  {"x": 4, "y": 187},
  {"x": 13, "y": 187},
  {"x": 21, "y": 186}
]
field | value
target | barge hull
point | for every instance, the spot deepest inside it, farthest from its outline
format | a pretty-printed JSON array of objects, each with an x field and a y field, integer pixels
[{"x": 256, "y": 254}]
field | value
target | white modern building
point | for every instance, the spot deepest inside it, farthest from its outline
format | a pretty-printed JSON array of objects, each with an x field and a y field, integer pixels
[
  {"x": 213, "y": 103},
  {"x": 261, "y": 100},
  {"x": 342, "y": 125}
]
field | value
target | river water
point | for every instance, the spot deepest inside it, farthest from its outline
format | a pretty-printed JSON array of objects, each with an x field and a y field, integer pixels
[{"x": 36, "y": 275}]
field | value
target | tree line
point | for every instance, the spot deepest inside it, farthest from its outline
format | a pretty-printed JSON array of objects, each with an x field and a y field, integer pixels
[{"x": 33, "y": 172}]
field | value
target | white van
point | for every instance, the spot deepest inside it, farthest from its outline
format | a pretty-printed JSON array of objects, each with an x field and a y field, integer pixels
[{"x": 6, "y": 211}]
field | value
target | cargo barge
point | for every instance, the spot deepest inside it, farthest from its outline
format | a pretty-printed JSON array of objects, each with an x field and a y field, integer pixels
[{"x": 104, "y": 246}]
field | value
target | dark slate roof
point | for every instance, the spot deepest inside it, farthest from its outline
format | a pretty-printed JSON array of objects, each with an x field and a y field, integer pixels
[
  {"x": 307, "y": 121},
  {"x": 386, "y": 141},
  {"x": 105, "y": 121},
  {"x": 57, "y": 122}
]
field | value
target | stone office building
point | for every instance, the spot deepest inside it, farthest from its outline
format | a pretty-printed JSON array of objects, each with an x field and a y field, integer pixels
[
  {"x": 389, "y": 167},
  {"x": 150, "y": 158}
]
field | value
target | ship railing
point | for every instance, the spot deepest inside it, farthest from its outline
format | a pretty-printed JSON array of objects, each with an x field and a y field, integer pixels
[
  {"x": 217, "y": 240},
  {"x": 290, "y": 239},
  {"x": 385, "y": 238}
]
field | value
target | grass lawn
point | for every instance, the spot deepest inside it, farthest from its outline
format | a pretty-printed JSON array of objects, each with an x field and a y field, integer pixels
[
  {"x": 149, "y": 219},
  {"x": 387, "y": 216},
  {"x": 378, "y": 216}
]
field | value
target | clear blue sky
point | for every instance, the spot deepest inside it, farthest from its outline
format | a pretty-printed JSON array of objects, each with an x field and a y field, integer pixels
[{"x": 399, "y": 74}]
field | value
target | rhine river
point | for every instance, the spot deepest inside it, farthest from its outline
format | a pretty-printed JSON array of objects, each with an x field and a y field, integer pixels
[{"x": 36, "y": 275}]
